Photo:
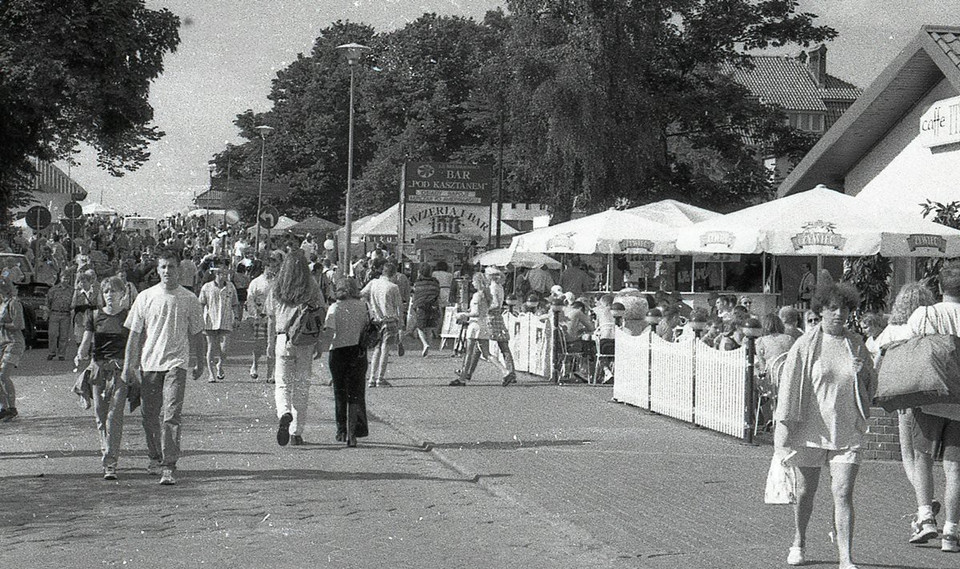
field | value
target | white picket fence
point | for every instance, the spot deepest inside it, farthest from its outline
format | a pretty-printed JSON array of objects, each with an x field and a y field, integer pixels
[
  {"x": 530, "y": 343},
  {"x": 687, "y": 380}
]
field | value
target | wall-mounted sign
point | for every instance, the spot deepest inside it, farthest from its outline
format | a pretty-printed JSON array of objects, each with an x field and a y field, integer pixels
[
  {"x": 469, "y": 224},
  {"x": 941, "y": 123},
  {"x": 445, "y": 183}
]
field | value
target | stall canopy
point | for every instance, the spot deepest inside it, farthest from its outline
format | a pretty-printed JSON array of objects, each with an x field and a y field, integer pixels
[
  {"x": 94, "y": 208},
  {"x": 510, "y": 257},
  {"x": 315, "y": 226},
  {"x": 607, "y": 232},
  {"x": 818, "y": 222},
  {"x": 283, "y": 223}
]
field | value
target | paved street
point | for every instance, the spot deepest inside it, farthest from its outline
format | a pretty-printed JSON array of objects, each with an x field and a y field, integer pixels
[{"x": 532, "y": 475}]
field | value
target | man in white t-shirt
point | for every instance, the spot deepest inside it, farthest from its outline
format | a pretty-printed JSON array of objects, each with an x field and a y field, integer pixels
[
  {"x": 165, "y": 322},
  {"x": 938, "y": 426}
]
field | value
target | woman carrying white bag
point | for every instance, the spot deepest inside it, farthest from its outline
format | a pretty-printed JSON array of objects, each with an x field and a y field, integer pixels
[{"x": 824, "y": 401}]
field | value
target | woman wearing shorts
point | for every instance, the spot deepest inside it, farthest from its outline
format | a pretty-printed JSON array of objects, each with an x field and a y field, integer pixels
[
  {"x": 824, "y": 401},
  {"x": 12, "y": 347}
]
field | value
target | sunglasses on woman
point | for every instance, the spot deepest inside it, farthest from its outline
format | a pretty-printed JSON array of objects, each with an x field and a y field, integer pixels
[{"x": 813, "y": 320}]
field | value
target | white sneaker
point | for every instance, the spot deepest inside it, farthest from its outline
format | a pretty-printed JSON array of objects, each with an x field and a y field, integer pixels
[
  {"x": 167, "y": 478},
  {"x": 795, "y": 556},
  {"x": 950, "y": 543}
]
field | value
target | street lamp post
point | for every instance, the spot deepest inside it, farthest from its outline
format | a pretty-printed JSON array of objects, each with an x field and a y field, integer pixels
[
  {"x": 353, "y": 51},
  {"x": 264, "y": 130}
]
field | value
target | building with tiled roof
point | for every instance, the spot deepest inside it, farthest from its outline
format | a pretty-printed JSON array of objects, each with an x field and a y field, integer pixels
[{"x": 812, "y": 99}]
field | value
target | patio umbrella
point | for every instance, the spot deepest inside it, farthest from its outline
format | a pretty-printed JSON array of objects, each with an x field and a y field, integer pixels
[
  {"x": 505, "y": 257},
  {"x": 608, "y": 232},
  {"x": 820, "y": 222},
  {"x": 673, "y": 213}
]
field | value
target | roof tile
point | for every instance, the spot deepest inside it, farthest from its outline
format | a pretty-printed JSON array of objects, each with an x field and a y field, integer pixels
[{"x": 787, "y": 82}]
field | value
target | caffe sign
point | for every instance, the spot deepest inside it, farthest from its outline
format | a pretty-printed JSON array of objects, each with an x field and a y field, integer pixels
[{"x": 940, "y": 125}]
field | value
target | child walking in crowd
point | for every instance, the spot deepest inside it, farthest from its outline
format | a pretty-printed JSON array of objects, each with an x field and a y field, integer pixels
[{"x": 104, "y": 344}]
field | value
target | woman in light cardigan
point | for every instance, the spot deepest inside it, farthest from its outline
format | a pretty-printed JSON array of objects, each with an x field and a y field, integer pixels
[
  {"x": 346, "y": 319},
  {"x": 824, "y": 402}
]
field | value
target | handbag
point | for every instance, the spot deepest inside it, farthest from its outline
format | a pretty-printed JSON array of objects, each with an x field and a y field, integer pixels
[
  {"x": 781, "y": 485},
  {"x": 371, "y": 334},
  {"x": 919, "y": 371}
]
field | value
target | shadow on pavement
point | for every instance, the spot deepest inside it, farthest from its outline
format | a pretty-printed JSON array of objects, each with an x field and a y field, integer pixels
[
  {"x": 509, "y": 445},
  {"x": 64, "y": 453}
]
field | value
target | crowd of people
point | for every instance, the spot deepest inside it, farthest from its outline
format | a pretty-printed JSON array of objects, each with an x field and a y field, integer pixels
[{"x": 142, "y": 312}]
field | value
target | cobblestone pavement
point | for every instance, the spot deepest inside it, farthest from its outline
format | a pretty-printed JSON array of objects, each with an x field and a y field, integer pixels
[{"x": 532, "y": 475}]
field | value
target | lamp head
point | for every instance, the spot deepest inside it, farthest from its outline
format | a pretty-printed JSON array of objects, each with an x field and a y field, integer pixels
[
  {"x": 264, "y": 130},
  {"x": 354, "y": 51},
  {"x": 752, "y": 328}
]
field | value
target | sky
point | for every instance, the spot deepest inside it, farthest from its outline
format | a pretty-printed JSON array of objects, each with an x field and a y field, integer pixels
[{"x": 231, "y": 50}]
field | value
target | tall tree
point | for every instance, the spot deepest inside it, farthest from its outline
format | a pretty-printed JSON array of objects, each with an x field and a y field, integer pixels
[
  {"x": 630, "y": 99},
  {"x": 77, "y": 71},
  {"x": 416, "y": 100},
  {"x": 308, "y": 149}
]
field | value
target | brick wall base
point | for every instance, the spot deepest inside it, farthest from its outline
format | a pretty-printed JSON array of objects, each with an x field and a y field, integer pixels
[{"x": 882, "y": 438}]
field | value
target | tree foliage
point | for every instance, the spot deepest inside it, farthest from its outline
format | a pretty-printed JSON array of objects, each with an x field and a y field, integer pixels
[
  {"x": 78, "y": 71},
  {"x": 589, "y": 103}
]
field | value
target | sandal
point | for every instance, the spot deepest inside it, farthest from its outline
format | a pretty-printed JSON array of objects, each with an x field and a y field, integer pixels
[{"x": 456, "y": 383}]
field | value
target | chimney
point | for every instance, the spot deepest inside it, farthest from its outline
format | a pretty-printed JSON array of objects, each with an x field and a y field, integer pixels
[{"x": 817, "y": 64}]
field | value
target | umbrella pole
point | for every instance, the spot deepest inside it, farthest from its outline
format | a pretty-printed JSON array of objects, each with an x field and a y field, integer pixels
[
  {"x": 723, "y": 275},
  {"x": 609, "y": 272},
  {"x": 763, "y": 286},
  {"x": 693, "y": 272}
]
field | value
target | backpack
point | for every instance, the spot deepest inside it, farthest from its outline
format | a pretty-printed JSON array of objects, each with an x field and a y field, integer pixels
[{"x": 305, "y": 326}]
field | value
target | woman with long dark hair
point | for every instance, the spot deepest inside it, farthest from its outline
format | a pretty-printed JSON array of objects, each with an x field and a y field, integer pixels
[
  {"x": 346, "y": 319},
  {"x": 294, "y": 293}
]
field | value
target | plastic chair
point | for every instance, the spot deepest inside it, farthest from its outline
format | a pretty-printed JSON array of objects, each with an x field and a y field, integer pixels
[
  {"x": 774, "y": 370},
  {"x": 569, "y": 361},
  {"x": 603, "y": 362}
]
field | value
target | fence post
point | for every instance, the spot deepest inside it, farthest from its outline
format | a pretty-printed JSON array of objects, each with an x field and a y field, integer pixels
[
  {"x": 653, "y": 318},
  {"x": 751, "y": 331},
  {"x": 698, "y": 327},
  {"x": 556, "y": 307}
]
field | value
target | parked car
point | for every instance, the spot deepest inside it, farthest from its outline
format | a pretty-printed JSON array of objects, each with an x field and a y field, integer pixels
[{"x": 32, "y": 294}]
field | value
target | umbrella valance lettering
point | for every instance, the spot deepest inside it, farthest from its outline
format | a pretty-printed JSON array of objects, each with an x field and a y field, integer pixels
[
  {"x": 919, "y": 240},
  {"x": 560, "y": 242},
  {"x": 717, "y": 238},
  {"x": 818, "y": 234},
  {"x": 636, "y": 246}
]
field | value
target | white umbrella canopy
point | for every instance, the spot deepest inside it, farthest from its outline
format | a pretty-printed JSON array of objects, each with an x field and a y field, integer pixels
[
  {"x": 673, "y": 213},
  {"x": 505, "y": 257},
  {"x": 823, "y": 222},
  {"x": 607, "y": 232}
]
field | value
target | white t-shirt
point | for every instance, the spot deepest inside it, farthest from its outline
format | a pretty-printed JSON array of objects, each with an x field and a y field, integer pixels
[
  {"x": 941, "y": 318},
  {"x": 167, "y": 319},
  {"x": 218, "y": 303}
]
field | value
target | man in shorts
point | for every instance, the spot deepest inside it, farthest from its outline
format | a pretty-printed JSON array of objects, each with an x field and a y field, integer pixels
[
  {"x": 165, "y": 322},
  {"x": 937, "y": 427}
]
